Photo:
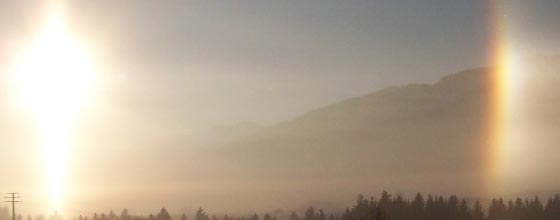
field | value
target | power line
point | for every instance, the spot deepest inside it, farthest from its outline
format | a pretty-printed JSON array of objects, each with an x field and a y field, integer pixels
[{"x": 13, "y": 196}]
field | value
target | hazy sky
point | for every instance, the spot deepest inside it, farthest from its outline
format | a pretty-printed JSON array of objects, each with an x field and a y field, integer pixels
[{"x": 225, "y": 62}]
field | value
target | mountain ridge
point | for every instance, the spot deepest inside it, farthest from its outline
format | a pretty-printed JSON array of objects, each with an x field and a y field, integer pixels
[{"x": 411, "y": 134}]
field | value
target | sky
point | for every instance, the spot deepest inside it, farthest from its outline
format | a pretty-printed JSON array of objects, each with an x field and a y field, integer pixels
[
  {"x": 172, "y": 70},
  {"x": 270, "y": 61}
]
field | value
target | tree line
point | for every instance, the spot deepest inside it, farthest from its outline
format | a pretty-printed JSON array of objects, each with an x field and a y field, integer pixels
[
  {"x": 387, "y": 207},
  {"x": 431, "y": 207}
]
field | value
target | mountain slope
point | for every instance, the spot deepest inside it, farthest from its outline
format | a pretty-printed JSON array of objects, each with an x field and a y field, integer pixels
[{"x": 415, "y": 132}]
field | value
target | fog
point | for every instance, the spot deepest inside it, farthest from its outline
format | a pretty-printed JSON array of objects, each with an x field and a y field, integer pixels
[{"x": 252, "y": 106}]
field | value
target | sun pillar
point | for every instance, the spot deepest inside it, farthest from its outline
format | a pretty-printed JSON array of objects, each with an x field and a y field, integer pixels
[
  {"x": 52, "y": 78},
  {"x": 499, "y": 104}
]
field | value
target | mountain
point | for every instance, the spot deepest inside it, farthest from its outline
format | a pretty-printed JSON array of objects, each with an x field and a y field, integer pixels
[
  {"x": 414, "y": 135},
  {"x": 418, "y": 137}
]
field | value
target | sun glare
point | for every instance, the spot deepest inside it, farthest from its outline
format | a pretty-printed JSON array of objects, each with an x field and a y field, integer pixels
[{"x": 52, "y": 78}]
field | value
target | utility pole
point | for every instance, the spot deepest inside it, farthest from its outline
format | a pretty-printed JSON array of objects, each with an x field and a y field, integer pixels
[{"x": 13, "y": 196}]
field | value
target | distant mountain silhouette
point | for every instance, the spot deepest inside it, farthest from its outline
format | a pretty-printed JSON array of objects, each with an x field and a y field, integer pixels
[
  {"x": 429, "y": 137},
  {"x": 421, "y": 131}
]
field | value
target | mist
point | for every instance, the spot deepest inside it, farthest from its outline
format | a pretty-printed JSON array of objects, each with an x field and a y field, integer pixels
[{"x": 249, "y": 106}]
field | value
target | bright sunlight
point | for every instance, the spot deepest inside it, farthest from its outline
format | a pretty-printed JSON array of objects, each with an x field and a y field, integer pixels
[{"x": 52, "y": 78}]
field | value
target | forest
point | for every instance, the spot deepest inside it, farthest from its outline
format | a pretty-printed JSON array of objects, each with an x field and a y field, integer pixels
[{"x": 386, "y": 207}]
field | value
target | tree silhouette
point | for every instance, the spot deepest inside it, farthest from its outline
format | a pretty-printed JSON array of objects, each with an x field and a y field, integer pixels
[
  {"x": 201, "y": 215},
  {"x": 267, "y": 217},
  {"x": 164, "y": 215},
  {"x": 294, "y": 216},
  {"x": 125, "y": 215}
]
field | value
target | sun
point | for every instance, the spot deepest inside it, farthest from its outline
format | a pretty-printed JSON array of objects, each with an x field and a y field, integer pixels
[{"x": 52, "y": 78}]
